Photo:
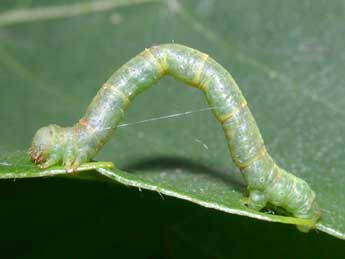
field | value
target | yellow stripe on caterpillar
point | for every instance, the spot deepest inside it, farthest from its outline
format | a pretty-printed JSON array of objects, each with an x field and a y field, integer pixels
[
  {"x": 116, "y": 91},
  {"x": 203, "y": 61},
  {"x": 231, "y": 114},
  {"x": 262, "y": 152},
  {"x": 162, "y": 69}
]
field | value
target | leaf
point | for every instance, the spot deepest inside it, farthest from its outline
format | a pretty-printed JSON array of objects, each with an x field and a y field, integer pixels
[
  {"x": 284, "y": 55},
  {"x": 18, "y": 165}
]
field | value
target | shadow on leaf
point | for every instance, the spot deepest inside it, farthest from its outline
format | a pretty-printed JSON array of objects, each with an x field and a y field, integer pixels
[{"x": 164, "y": 163}]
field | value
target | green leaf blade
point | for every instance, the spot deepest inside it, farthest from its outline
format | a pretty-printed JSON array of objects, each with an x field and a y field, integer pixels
[{"x": 18, "y": 165}]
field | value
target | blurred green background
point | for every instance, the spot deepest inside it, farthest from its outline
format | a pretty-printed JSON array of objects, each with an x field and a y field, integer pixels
[{"x": 287, "y": 57}]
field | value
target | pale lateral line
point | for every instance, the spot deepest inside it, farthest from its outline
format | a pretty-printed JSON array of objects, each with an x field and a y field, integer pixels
[{"x": 60, "y": 11}]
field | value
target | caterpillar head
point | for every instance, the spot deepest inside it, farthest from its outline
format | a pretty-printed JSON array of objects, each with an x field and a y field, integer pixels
[{"x": 47, "y": 141}]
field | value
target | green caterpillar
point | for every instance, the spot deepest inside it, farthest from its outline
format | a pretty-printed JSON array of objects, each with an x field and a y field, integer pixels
[{"x": 266, "y": 181}]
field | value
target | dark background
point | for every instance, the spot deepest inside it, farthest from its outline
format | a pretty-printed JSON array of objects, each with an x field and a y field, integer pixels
[{"x": 65, "y": 218}]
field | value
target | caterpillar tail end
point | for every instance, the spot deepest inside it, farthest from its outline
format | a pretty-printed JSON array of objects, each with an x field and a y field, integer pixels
[
  {"x": 313, "y": 214},
  {"x": 304, "y": 218}
]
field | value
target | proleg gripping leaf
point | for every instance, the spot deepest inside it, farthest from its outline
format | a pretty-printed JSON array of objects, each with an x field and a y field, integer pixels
[{"x": 19, "y": 165}]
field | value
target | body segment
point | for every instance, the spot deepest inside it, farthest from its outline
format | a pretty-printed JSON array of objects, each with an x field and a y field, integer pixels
[{"x": 266, "y": 181}]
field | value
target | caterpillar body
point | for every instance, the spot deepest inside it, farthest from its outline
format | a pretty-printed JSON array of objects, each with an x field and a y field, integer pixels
[{"x": 266, "y": 181}]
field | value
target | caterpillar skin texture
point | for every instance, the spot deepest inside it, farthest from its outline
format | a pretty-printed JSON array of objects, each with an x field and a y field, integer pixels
[{"x": 266, "y": 181}]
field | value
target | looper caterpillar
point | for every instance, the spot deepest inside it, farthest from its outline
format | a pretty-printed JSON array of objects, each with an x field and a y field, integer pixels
[{"x": 266, "y": 181}]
